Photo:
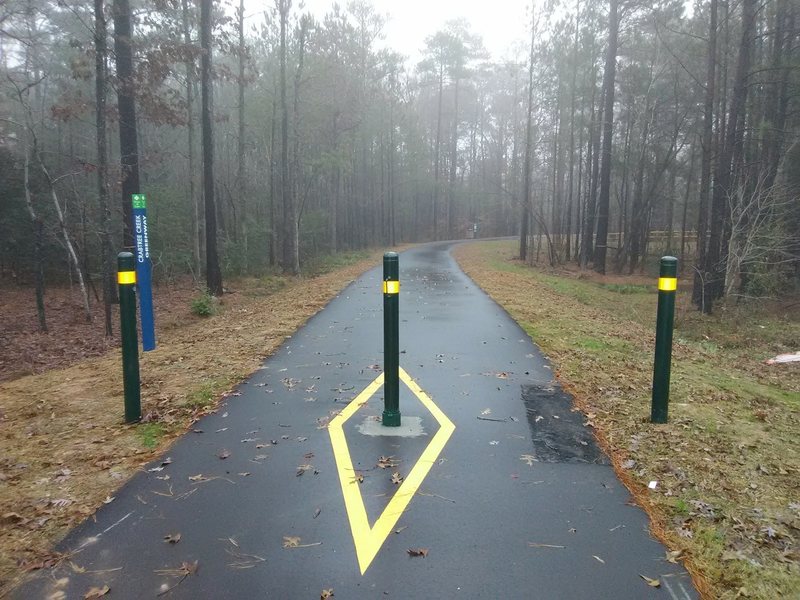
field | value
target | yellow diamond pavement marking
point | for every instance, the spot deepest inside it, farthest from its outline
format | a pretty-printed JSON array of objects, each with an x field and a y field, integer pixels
[{"x": 368, "y": 540}]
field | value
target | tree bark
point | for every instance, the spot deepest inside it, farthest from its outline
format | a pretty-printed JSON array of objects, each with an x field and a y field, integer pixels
[
  {"x": 190, "y": 98},
  {"x": 725, "y": 179},
  {"x": 240, "y": 177},
  {"x": 608, "y": 129},
  {"x": 101, "y": 52},
  {"x": 128, "y": 143},
  {"x": 437, "y": 153},
  {"x": 38, "y": 240},
  {"x": 213, "y": 273},
  {"x": 453, "y": 166},
  {"x": 698, "y": 297},
  {"x": 287, "y": 201},
  {"x": 526, "y": 168}
]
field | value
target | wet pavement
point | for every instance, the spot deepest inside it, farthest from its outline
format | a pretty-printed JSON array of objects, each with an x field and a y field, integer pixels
[{"x": 495, "y": 484}]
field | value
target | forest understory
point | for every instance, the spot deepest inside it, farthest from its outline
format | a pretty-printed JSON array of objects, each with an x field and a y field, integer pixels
[{"x": 727, "y": 465}]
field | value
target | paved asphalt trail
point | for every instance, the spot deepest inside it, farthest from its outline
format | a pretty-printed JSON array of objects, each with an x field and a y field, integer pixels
[{"x": 523, "y": 506}]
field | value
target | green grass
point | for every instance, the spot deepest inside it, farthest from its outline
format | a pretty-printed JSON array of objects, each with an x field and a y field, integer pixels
[
  {"x": 592, "y": 344},
  {"x": 627, "y": 288},
  {"x": 681, "y": 507},
  {"x": 206, "y": 393},
  {"x": 150, "y": 434}
]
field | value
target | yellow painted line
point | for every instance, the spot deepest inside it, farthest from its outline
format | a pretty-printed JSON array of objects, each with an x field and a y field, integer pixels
[
  {"x": 391, "y": 287},
  {"x": 126, "y": 277},
  {"x": 667, "y": 284},
  {"x": 368, "y": 540}
]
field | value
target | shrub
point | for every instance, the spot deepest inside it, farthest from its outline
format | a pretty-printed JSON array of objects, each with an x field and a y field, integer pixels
[{"x": 204, "y": 305}]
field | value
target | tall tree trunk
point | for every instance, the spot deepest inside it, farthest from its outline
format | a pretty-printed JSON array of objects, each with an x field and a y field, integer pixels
[
  {"x": 526, "y": 168},
  {"x": 608, "y": 129},
  {"x": 592, "y": 171},
  {"x": 38, "y": 242},
  {"x": 240, "y": 178},
  {"x": 298, "y": 200},
  {"x": 572, "y": 149},
  {"x": 62, "y": 225},
  {"x": 337, "y": 187},
  {"x": 453, "y": 164},
  {"x": 287, "y": 201},
  {"x": 685, "y": 208},
  {"x": 730, "y": 157},
  {"x": 637, "y": 233},
  {"x": 698, "y": 296},
  {"x": 213, "y": 273},
  {"x": 273, "y": 217},
  {"x": 128, "y": 143},
  {"x": 190, "y": 97},
  {"x": 101, "y": 51},
  {"x": 437, "y": 153},
  {"x": 777, "y": 100}
]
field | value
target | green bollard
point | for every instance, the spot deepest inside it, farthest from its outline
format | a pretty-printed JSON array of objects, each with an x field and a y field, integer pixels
[
  {"x": 126, "y": 278},
  {"x": 667, "y": 286},
  {"x": 391, "y": 339}
]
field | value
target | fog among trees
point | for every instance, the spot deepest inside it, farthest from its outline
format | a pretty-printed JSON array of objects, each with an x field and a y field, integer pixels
[{"x": 618, "y": 132}]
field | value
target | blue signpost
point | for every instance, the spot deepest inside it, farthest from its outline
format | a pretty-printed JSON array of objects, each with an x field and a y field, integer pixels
[{"x": 144, "y": 272}]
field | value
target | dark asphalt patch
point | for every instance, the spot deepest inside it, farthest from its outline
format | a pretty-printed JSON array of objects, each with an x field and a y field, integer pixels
[{"x": 557, "y": 430}]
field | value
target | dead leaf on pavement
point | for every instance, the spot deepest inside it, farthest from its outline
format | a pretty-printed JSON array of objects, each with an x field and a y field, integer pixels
[
  {"x": 386, "y": 462},
  {"x": 172, "y": 538},
  {"x": 294, "y": 542},
  {"x": 96, "y": 592},
  {"x": 291, "y": 542},
  {"x": 423, "y": 552},
  {"x": 198, "y": 477},
  {"x": 326, "y": 594},
  {"x": 302, "y": 469},
  {"x": 399, "y": 529},
  {"x": 223, "y": 454},
  {"x": 529, "y": 459},
  {"x": 397, "y": 478},
  {"x": 650, "y": 581}
]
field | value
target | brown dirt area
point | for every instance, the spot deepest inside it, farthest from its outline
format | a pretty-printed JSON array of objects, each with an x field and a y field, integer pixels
[
  {"x": 727, "y": 465},
  {"x": 63, "y": 446}
]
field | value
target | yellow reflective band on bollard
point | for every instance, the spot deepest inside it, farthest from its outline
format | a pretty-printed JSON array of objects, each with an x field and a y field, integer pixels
[
  {"x": 391, "y": 287},
  {"x": 126, "y": 277},
  {"x": 667, "y": 284}
]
